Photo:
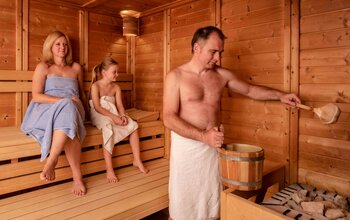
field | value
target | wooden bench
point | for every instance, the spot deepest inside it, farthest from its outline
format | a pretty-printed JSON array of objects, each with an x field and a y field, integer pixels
[{"x": 24, "y": 196}]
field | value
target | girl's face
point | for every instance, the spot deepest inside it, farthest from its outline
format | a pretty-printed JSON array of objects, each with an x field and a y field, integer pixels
[
  {"x": 111, "y": 73},
  {"x": 60, "y": 47}
]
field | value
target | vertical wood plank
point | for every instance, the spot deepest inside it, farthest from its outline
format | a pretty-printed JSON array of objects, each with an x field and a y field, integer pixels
[
  {"x": 19, "y": 60},
  {"x": 294, "y": 117},
  {"x": 217, "y": 13},
  {"x": 25, "y": 50},
  {"x": 166, "y": 69},
  {"x": 84, "y": 39},
  {"x": 132, "y": 67},
  {"x": 286, "y": 81}
]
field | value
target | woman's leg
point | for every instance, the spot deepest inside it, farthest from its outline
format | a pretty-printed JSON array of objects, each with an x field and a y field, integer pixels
[
  {"x": 111, "y": 177},
  {"x": 73, "y": 152},
  {"x": 59, "y": 139},
  {"x": 135, "y": 147}
]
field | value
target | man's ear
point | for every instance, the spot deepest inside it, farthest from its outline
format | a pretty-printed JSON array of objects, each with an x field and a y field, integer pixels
[{"x": 196, "y": 48}]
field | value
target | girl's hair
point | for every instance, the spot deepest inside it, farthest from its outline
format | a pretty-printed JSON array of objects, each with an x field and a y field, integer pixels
[
  {"x": 49, "y": 41},
  {"x": 97, "y": 70}
]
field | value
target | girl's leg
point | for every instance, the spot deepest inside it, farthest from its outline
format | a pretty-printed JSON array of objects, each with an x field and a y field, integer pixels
[
  {"x": 135, "y": 147},
  {"x": 73, "y": 152},
  {"x": 111, "y": 177},
  {"x": 59, "y": 139}
]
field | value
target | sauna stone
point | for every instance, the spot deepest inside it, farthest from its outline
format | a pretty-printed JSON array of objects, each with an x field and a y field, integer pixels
[
  {"x": 300, "y": 196},
  {"x": 313, "y": 207},
  {"x": 341, "y": 202},
  {"x": 334, "y": 213}
]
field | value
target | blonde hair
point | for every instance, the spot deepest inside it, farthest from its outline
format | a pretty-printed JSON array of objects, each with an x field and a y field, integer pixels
[
  {"x": 97, "y": 70},
  {"x": 49, "y": 41}
]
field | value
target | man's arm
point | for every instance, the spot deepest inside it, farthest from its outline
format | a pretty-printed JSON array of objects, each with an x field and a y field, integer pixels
[
  {"x": 171, "y": 108},
  {"x": 258, "y": 92}
]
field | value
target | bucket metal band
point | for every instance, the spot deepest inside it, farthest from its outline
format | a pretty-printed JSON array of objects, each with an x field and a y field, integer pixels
[
  {"x": 235, "y": 158},
  {"x": 238, "y": 183}
]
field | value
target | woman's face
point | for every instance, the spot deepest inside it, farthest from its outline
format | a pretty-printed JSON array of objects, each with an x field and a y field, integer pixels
[
  {"x": 111, "y": 73},
  {"x": 60, "y": 47}
]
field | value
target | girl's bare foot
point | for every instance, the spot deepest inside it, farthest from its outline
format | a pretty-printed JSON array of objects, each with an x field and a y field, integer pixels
[
  {"x": 111, "y": 177},
  {"x": 48, "y": 173},
  {"x": 78, "y": 188},
  {"x": 140, "y": 166}
]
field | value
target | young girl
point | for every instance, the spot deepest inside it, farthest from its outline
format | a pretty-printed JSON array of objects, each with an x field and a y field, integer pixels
[{"x": 107, "y": 113}]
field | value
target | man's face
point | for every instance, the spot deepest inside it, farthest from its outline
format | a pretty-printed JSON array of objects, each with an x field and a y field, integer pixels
[{"x": 209, "y": 51}]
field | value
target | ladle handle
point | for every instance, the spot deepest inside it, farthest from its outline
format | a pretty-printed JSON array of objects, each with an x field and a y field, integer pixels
[{"x": 304, "y": 107}]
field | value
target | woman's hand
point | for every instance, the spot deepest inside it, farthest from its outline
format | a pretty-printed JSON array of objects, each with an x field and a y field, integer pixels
[{"x": 79, "y": 104}]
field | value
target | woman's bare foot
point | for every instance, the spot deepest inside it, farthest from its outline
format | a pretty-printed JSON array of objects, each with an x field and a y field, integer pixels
[
  {"x": 140, "y": 166},
  {"x": 111, "y": 177},
  {"x": 79, "y": 188},
  {"x": 48, "y": 173}
]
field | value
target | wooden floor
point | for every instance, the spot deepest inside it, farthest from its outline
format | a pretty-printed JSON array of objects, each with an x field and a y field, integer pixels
[{"x": 103, "y": 200}]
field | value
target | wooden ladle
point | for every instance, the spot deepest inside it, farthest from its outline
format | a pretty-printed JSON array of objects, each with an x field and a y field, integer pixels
[{"x": 328, "y": 114}]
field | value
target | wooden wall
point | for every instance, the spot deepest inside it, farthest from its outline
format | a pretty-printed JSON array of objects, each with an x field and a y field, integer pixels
[
  {"x": 24, "y": 25},
  {"x": 149, "y": 59},
  {"x": 7, "y": 58},
  {"x": 164, "y": 44},
  {"x": 324, "y": 150},
  {"x": 254, "y": 50}
]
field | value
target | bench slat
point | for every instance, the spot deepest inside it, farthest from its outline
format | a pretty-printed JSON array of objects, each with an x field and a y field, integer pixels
[
  {"x": 142, "y": 196},
  {"x": 58, "y": 201},
  {"x": 144, "y": 210},
  {"x": 35, "y": 166},
  {"x": 19, "y": 145},
  {"x": 32, "y": 180},
  {"x": 92, "y": 181}
]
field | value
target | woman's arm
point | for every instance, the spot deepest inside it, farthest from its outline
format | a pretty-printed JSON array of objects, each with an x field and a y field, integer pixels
[
  {"x": 38, "y": 85},
  {"x": 80, "y": 78}
]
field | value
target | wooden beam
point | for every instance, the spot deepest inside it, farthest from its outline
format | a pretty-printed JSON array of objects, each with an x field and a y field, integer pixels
[
  {"x": 166, "y": 69},
  {"x": 19, "y": 59},
  {"x": 294, "y": 117},
  {"x": 217, "y": 6},
  {"x": 93, "y": 3},
  {"x": 25, "y": 51},
  {"x": 84, "y": 39},
  {"x": 132, "y": 40},
  {"x": 165, "y": 7}
]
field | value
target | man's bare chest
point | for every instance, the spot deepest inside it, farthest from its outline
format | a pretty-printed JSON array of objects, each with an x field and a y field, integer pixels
[{"x": 201, "y": 89}]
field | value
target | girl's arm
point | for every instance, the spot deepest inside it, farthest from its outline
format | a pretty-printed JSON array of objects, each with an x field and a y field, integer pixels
[
  {"x": 120, "y": 106},
  {"x": 38, "y": 85},
  {"x": 119, "y": 101},
  {"x": 95, "y": 96}
]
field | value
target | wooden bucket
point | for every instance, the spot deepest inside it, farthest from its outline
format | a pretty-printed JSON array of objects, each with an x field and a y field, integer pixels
[{"x": 241, "y": 166}]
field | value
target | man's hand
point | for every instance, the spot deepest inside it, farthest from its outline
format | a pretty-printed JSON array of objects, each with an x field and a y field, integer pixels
[
  {"x": 213, "y": 137},
  {"x": 290, "y": 99}
]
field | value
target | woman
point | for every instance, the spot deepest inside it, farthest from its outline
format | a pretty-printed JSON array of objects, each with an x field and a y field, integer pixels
[{"x": 55, "y": 116}]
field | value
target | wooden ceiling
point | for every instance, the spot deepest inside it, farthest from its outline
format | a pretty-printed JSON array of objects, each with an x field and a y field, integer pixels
[{"x": 113, "y": 7}]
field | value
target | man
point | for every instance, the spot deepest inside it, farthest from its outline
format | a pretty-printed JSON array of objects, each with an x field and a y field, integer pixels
[{"x": 192, "y": 96}]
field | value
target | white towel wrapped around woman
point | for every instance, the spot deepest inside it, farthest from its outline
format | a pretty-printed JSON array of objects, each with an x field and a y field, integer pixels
[{"x": 111, "y": 132}]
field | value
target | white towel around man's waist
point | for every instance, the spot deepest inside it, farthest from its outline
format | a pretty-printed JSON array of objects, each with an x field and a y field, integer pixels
[
  {"x": 194, "y": 184},
  {"x": 111, "y": 132}
]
